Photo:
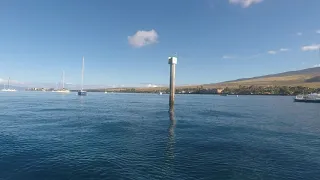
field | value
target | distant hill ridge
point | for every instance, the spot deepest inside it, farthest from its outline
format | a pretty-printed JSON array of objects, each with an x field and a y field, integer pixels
[
  {"x": 306, "y": 77},
  {"x": 310, "y": 71}
]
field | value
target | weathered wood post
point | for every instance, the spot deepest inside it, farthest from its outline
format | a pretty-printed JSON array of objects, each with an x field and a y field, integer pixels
[{"x": 172, "y": 61}]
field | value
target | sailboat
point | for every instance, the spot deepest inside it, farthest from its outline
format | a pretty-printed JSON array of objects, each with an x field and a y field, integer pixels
[
  {"x": 63, "y": 90},
  {"x": 82, "y": 92},
  {"x": 8, "y": 89}
]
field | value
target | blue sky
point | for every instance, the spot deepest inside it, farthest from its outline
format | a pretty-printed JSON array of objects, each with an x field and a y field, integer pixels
[{"x": 128, "y": 42}]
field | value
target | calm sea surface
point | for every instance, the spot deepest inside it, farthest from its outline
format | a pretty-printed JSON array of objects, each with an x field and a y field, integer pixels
[{"x": 132, "y": 136}]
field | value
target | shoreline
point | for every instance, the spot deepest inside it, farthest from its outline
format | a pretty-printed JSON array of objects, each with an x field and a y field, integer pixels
[{"x": 122, "y": 92}]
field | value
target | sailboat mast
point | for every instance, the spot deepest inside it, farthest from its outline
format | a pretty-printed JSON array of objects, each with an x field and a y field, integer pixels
[
  {"x": 82, "y": 72},
  {"x": 62, "y": 79},
  {"x": 9, "y": 83}
]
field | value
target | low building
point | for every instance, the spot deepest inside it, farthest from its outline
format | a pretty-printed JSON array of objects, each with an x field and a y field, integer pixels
[{"x": 219, "y": 90}]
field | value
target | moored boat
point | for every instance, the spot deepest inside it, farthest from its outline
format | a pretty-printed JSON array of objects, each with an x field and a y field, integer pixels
[
  {"x": 312, "y": 98},
  {"x": 63, "y": 90},
  {"x": 82, "y": 93},
  {"x": 8, "y": 89}
]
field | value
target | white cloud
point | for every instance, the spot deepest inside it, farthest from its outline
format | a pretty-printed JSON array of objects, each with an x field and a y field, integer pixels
[
  {"x": 280, "y": 50},
  {"x": 245, "y": 3},
  {"x": 284, "y": 49},
  {"x": 312, "y": 47},
  {"x": 318, "y": 31},
  {"x": 142, "y": 38},
  {"x": 272, "y": 52},
  {"x": 227, "y": 57},
  {"x": 151, "y": 85},
  {"x": 299, "y": 33},
  {"x": 317, "y": 65}
]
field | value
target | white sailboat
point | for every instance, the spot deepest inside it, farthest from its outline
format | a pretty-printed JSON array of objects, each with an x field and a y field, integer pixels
[
  {"x": 82, "y": 92},
  {"x": 8, "y": 89},
  {"x": 63, "y": 90},
  {"x": 4, "y": 87}
]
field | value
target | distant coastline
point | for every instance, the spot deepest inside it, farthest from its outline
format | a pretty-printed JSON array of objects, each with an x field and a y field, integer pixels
[
  {"x": 241, "y": 90},
  {"x": 288, "y": 83}
]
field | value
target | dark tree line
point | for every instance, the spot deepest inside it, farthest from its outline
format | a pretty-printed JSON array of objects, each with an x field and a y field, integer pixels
[
  {"x": 272, "y": 90},
  {"x": 241, "y": 90}
]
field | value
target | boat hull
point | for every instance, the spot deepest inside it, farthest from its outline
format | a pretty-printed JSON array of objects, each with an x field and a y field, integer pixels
[
  {"x": 307, "y": 100},
  {"x": 310, "y": 98},
  {"x": 8, "y": 90},
  {"x": 82, "y": 93},
  {"x": 62, "y": 91}
]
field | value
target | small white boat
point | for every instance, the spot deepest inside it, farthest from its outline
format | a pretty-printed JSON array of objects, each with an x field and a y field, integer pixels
[
  {"x": 312, "y": 98},
  {"x": 8, "y": 89},
  {"x": 160, "y": 93},
  {"x": 63, "y": 90}
]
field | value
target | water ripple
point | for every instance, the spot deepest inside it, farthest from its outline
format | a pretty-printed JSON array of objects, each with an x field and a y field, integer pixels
[{"x": 132, "y": 136}]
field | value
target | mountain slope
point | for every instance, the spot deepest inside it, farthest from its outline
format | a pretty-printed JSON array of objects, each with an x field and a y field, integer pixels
[
  {"x": 307, "y": 77},
  {"x": 310, "y": 71}
]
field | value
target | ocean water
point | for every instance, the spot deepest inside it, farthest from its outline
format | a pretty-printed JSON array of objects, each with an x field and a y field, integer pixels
[{"x": 49, "y": 136}]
